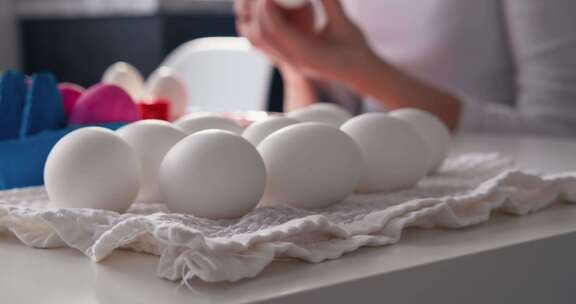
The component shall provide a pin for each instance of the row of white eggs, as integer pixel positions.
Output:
(210, 167)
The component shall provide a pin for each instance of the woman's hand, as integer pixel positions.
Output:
(338, 52)
(298, 89)
(249, 26)
(288, 37)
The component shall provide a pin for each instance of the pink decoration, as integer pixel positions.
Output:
(104, 103)
(70, 94)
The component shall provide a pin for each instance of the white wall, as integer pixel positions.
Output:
(80, 8)
(8, 36)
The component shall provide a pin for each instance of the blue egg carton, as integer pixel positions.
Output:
(32, 121)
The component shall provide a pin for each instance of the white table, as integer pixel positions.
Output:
(507, 260)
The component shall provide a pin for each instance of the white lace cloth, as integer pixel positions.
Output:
(465, 192)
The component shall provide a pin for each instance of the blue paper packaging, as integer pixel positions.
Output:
(22, 160)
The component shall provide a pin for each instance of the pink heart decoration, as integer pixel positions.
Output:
(70, 93)
(104, 103)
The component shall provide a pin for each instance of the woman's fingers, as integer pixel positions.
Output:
(265, 24)
(303, 51)
(278, 27)
(248, 25)
(243, 9)
(334, 10)
(269, 30)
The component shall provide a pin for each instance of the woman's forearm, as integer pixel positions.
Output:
(382, 81)
(338, 52)
(374, 77)
(298, 90)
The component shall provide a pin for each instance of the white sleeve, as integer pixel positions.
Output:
(542, 37)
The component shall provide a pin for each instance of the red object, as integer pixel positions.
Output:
(156, 109)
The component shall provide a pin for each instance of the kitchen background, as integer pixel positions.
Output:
(78, 39)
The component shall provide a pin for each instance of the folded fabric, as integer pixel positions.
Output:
(466, 191)
(22, 160)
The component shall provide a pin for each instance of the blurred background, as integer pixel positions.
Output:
(8, 35)
(78, 39)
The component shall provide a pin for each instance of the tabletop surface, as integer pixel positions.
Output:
(66, 276)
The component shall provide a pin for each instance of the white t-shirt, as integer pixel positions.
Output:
(511, 62)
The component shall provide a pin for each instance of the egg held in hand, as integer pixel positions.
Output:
(395, 155)
(151, 140)
(213, 174)
(310, 165)
(433, 130)
(92, 168)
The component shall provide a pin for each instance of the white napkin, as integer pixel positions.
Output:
(465, 192)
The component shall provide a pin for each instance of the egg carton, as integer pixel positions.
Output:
(32, 120)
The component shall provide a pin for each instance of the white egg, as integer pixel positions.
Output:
(434, 132)
(127, 77)
(195, 115)
(322, 112)
(164, 83)
(213, 174)
(310, 165)
(207, 122)
(291, 4)
(258, 131)
(151, 140)
(395, 155)
(92, 168)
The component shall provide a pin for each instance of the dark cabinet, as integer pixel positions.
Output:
(80, 49)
